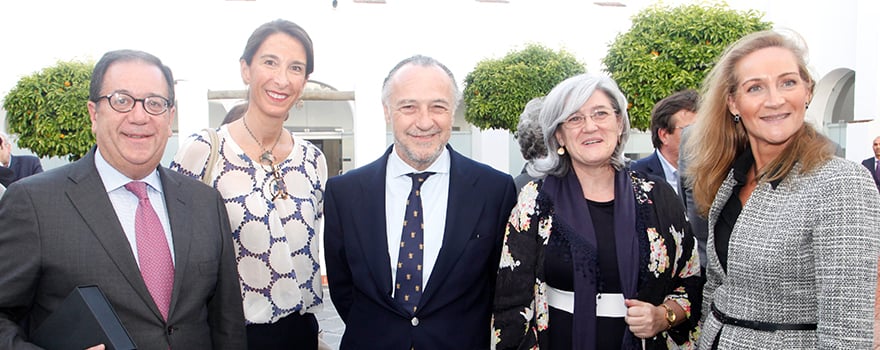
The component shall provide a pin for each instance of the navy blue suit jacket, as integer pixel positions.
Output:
(24, 166)
(652, 167)
(455, 311)
(869, 163)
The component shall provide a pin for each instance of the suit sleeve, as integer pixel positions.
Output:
(845, 244)
(38, 167)
(225, 313)
(338, 273)
(19, 265)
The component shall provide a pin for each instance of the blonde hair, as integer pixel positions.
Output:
(717, 140)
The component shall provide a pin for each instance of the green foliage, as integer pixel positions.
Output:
(48, 111)
(497, 90)
(671, 49)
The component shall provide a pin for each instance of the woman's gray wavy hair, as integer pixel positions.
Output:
(565, 99)
(528, 131)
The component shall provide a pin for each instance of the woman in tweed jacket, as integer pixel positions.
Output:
(594, 256)
(793, 234)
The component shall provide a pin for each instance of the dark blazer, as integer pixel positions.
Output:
(455, 311)
(651, 166)
(58, 231)
(7, 176)
(869, 163)
(24, 166)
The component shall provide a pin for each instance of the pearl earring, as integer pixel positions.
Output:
(560, 151)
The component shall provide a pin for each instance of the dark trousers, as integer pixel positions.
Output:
(293, 332)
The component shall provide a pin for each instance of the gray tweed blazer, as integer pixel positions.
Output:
(805, 252)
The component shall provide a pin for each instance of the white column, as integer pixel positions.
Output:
(192, 108)
(859, 135)
(492, 147)
(369, 121)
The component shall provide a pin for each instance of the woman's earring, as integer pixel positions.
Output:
(560, 151)
(736, 118)
(807, 105)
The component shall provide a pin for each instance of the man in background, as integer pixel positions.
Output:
(873, 163)
(668, 118)
(22, 166)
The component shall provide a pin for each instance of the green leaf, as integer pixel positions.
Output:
(50, 103)
(668, 49)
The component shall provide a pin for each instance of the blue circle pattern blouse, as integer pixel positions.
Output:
(276, 238)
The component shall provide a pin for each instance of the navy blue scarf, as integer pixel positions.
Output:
(572, 214)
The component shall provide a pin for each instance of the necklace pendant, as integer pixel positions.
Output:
(267, 156)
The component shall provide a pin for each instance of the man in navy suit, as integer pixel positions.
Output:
(465, 206)
(668, 118)
(22, 166)
(873, 163)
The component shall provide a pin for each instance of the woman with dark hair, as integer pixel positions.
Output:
(594, 256)
(793, 233)
(273, 184)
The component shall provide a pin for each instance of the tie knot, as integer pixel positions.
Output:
(419, 178)
(139, 188)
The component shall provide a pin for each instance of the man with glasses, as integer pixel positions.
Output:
(156, 242)
(668, 118)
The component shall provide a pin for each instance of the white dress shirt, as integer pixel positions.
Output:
(670, 172)
(125, 203)
(434, 193)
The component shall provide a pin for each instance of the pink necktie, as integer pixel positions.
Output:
(152, 249)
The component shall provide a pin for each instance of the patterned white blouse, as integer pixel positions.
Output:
(276, 238)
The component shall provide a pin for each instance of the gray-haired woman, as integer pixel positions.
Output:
(591, 246)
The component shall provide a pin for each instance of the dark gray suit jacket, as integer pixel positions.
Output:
(455, 311)
(58, 230)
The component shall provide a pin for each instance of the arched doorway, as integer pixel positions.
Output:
(832, 105)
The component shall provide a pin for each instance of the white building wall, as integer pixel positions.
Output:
(356, 44)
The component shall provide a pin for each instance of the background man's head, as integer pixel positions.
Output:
(5, 149)
(668, 117)
(876, 147)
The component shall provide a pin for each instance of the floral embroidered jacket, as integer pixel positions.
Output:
(669, 266)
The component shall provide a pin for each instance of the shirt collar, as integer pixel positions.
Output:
(397, 167)
(667, 166)
(113, 179)
(741, 168)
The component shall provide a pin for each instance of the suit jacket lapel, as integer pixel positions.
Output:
(89, 198)
(371, 226)
(178, 209)
(466, 204)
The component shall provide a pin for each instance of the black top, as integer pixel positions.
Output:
(731, 210)
(559, 273)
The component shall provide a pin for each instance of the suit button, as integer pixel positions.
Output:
(415, 321)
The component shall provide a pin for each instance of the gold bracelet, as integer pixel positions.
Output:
(670, 315)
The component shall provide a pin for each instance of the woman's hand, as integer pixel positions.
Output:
(645, 320)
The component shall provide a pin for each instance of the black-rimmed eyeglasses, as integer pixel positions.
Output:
(123, 102)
